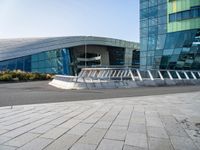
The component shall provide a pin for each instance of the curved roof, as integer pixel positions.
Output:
(13, 48)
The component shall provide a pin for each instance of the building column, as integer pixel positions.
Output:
(104, 57)
(128, 57)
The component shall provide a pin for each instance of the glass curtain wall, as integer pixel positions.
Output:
(170, 34)
(54, 61)
(116, 56)
(153, 28)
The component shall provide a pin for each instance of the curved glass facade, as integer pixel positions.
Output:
(69, 61)
(170, 34)
(64, 55)
(54, 61)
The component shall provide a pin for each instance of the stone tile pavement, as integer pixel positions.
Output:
(163, 122)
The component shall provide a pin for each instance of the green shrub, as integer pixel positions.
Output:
(6, 77)
(49, 76)
(42, 77)
(34, 76)
(13, 74)
(23, 76)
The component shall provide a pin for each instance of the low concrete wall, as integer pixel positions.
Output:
(112, 84)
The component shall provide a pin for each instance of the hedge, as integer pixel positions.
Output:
(18, 75)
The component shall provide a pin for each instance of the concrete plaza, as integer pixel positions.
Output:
(159, 122)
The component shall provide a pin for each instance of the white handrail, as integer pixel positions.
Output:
(161, 77)
(186, 75)
(170, 76)
(193, 75)
(178, 75)
(139, 75)
(150, 75)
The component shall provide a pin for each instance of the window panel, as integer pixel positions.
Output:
(162, 10)
(162, 29)
(20, 64)
(144, 23)
(167, 52)
(170, 40)
(144, 5)
(153, 12)
(144, 43)
(11, 64)
(153, 22)
(153, 30)
(153, 3)
(152, 42)
(161, 41)
(177, 50)
(144, 13)
(162, 20)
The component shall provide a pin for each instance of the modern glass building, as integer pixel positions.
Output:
(65, 55)
(170, 34)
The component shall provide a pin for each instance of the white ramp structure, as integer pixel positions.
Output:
(102, 78)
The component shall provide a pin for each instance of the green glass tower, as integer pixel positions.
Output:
(170, 34)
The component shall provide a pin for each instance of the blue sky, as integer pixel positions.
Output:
(48, 18)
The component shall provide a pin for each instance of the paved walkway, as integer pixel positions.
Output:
(163, 122)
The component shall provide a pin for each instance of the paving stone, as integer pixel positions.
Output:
(110, 145)
(86, 114)
(79, 146)
(137, 128)
(114, 127)
(194, 135)
(93, 136)
(154, 122)
(160, 144)
(20, 124)
(168, 120)
(128, 147)
(151, 113)
(18, 119)
(78, 112)
(138, 120)
(137, 114)
(103, 124)
(139, 108)
(197, 144)
(175, 130)
(94, 118)
(64, 142)
(54, 133)
(4, 139)
(60, 120)
(116, 134)
(3, 147)
(42, 129)
(21, 140)
(36, 144)
(80, 129)
(182, 143)
(15, 117)
(136, 139)
(157, 132)
(26, 128)
(2, 131)
(120, 122)
(70, 124)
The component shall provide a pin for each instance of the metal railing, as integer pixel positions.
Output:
(91, 78)
(136, 74)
